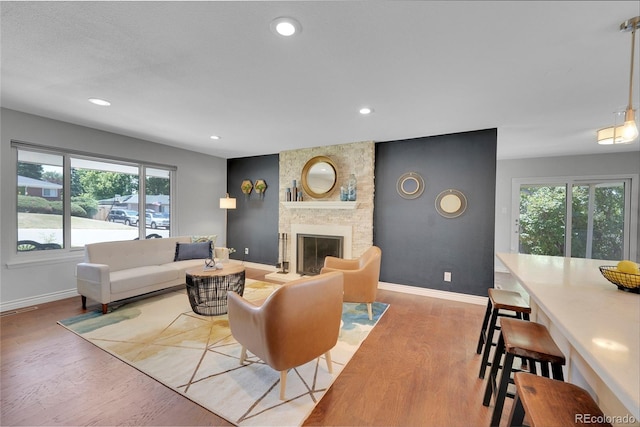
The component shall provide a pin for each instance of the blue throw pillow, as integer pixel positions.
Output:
(185, 251)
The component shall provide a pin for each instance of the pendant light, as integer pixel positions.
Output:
(628, 131)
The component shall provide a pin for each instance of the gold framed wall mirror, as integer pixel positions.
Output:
(319, 177)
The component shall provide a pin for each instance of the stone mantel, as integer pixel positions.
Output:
(317, 204)
(358, 158)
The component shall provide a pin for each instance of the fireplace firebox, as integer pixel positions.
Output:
(313, 248)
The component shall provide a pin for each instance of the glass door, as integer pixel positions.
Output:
(598, 220)
(573, 218)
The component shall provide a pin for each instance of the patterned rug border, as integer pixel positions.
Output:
(94, 320)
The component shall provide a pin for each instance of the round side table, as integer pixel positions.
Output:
(207, 289)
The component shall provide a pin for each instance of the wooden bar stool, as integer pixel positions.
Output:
(529, 340)
(550, 402)
(499, 301)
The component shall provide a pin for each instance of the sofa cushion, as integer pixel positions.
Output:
(183, 266)
(140, 277)
(199, 250)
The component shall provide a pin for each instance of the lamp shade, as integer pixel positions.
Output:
(628, 131)
(619, 134)
(227, 202)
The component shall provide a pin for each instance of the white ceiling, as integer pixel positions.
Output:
(545, 74)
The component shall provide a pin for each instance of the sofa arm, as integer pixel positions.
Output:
(221, 253)
(93, 281)
(97, 273)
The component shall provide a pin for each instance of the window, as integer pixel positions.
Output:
(157, 218)
(40, 220)
(69, 199)
(50, 192)
(108, 188)
(580, 218)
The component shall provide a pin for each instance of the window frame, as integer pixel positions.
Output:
(631, 200)
(67, 251)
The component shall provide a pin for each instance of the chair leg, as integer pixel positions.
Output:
(283, 383)
(370, 310)
(556, 370)
(482, 340)
(502, 390)
(517, 413)
(243, 355)
(493, 372)
(488, 344)
(327, 357)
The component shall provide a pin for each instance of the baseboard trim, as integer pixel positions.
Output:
(433, 293)
(39, 299)
(255, 265)
(413, 290)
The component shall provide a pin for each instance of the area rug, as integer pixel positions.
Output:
(197, 356)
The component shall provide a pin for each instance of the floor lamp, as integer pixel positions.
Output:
(226, 203)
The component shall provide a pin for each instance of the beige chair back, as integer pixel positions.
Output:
(297, 323)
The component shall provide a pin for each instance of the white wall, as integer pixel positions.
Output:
(39, 277)
(592, 165)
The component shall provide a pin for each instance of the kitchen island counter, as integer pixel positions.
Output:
(596, 325)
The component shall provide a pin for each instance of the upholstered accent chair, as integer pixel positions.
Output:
(360, 276)
(296, 324)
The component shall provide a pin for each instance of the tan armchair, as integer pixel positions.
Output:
(299, 322)
(360, 276)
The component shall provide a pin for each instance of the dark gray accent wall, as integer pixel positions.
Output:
(254, 222)
(419, 245)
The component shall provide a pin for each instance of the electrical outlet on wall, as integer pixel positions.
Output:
(246, 251)
(447, 276)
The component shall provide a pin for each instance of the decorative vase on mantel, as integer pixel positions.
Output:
(351, 188)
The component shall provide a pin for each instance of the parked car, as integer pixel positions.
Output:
(157, 220)
(123, 215)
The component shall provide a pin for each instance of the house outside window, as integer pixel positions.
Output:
(50, 193)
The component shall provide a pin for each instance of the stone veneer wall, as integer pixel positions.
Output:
(357, 158)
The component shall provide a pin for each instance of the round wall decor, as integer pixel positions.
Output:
(451, 203)
(410, 185)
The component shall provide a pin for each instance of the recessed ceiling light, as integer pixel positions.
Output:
(100, 102)
(366, 110)
(214, 137)
(285, 26)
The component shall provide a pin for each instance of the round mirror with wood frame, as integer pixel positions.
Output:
(319, 177)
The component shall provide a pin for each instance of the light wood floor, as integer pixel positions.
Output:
(418, 367)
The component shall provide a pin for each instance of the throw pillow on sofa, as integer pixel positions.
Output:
(211, 237)
(199, 250)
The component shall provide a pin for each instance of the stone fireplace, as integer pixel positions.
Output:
(328, 216)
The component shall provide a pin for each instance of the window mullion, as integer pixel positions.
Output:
(142, 201)
(568, 218)
(590, 213)
(66, 201)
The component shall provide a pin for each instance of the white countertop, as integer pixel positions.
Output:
(600, 321)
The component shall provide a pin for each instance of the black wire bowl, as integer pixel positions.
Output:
(624, 281)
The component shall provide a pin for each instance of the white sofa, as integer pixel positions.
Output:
(112, 271)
